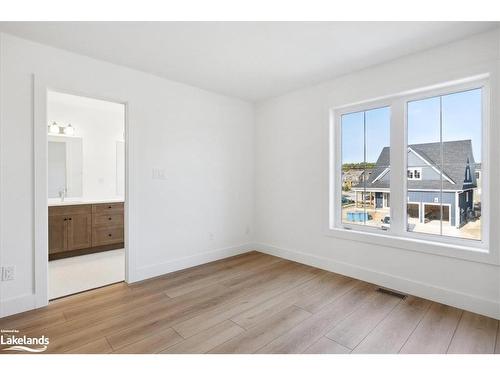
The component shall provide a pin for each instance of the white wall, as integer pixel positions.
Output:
(292, 179)
(203, 141)
(100, 124)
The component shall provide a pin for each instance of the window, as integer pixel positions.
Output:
(444, 140)
(365, 153)
(414, 173)
(438, 141)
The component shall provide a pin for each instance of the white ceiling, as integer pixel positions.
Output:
(249, 60)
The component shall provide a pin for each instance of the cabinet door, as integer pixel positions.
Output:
(79, 231)
(57, 234)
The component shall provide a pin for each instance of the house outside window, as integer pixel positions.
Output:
(445, 140)
(443, 152)
(365, 145)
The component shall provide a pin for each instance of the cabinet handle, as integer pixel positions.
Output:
(109, 235)
(109, 218)
(70, 218)
(109, 206)
(65, 218)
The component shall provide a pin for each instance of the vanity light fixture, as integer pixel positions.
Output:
(69, 130)
(54, 128)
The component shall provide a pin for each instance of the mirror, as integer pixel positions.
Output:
(90, 162)
(65, 156)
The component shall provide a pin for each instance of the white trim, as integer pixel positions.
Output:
(430, 165)
(444, 190)
(388, 190)
(384, 172)
(18, 305)
(154, 270)
(373, 190)
(1, 163)
(372, 103)
(436, 293)
(42, 84)
(476, 250)
(484, 85)
(29, 301)
(335, 154)
(40, 195)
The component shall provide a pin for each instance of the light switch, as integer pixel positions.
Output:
(8, 273)
(158, 174)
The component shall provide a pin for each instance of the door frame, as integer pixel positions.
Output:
(41, 86)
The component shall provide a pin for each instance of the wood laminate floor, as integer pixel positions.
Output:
(253, 303)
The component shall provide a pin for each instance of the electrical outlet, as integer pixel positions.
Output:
(8, 273)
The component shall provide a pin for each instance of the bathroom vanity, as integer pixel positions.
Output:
(77, 228)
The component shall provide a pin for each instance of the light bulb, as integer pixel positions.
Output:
(69, 130)
(54, 128)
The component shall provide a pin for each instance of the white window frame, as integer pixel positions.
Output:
(413, 170)
(397, 235)
(337, 213)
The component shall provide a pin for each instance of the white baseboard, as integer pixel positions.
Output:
(154, 270)
(454, 298)
(28, 302)
(457, 299)
(17, 305)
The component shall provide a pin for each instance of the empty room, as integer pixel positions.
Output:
(256, 187)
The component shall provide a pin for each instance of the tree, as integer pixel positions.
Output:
(347, 166)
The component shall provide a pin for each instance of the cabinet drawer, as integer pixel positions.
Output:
(108, 220)
(107, 208)
(106, 236)
(80, 209)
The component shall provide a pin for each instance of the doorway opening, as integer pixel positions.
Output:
(436, 212)
(86, 193)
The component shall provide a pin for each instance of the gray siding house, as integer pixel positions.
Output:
(427, 162)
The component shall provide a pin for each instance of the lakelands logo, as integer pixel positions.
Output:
(22, 343)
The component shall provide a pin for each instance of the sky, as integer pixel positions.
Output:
(461, 119)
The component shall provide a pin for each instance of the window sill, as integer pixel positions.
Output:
(470, 253)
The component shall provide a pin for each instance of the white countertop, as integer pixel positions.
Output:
(76, 201)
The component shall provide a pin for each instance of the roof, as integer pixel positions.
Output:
(354, 172)
(456, 155)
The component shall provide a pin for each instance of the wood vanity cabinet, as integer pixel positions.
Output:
(85, 228)
(57, 234)
(107, 224)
